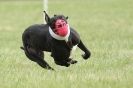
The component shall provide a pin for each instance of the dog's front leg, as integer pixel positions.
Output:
(62, 63)
(61, 58)
(83, 48)
(70, 59)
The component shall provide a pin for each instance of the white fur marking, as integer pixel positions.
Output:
(73, 50)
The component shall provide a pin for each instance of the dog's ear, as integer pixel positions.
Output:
(66, 17)
(47, 18)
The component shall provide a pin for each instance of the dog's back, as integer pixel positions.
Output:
(37, 36)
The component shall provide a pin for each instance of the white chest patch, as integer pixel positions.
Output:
(73, 50)
(60, 37)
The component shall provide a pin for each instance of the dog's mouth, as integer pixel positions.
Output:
(61, 28)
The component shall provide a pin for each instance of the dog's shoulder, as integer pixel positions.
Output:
(75, 37)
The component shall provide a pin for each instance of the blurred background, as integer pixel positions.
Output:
(105, 26)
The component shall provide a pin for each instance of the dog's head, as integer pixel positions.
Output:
(58, 24)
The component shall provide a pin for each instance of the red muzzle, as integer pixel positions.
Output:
(61, 28)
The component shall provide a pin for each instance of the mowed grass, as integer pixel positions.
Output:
(105, 26)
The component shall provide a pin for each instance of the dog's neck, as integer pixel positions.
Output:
(57, 37)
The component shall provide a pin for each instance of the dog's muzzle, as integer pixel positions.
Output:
(59, 37)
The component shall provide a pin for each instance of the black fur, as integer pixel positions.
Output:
(37, 39)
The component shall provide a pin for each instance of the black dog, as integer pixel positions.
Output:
(55, 37)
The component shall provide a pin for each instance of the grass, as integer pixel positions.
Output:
(105, 26)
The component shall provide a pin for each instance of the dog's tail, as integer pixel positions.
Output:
(22, 48)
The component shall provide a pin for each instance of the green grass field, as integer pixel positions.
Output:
(105, 26)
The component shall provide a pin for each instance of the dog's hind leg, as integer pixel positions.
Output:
(37, 56)
(83, 48)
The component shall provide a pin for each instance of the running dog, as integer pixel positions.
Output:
(57, 37)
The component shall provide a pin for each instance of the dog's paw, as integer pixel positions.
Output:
(86, 56)
(73, 61)
(68, 64)
(50, 68)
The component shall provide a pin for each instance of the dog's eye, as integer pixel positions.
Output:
(62, 21)
(64, 24)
